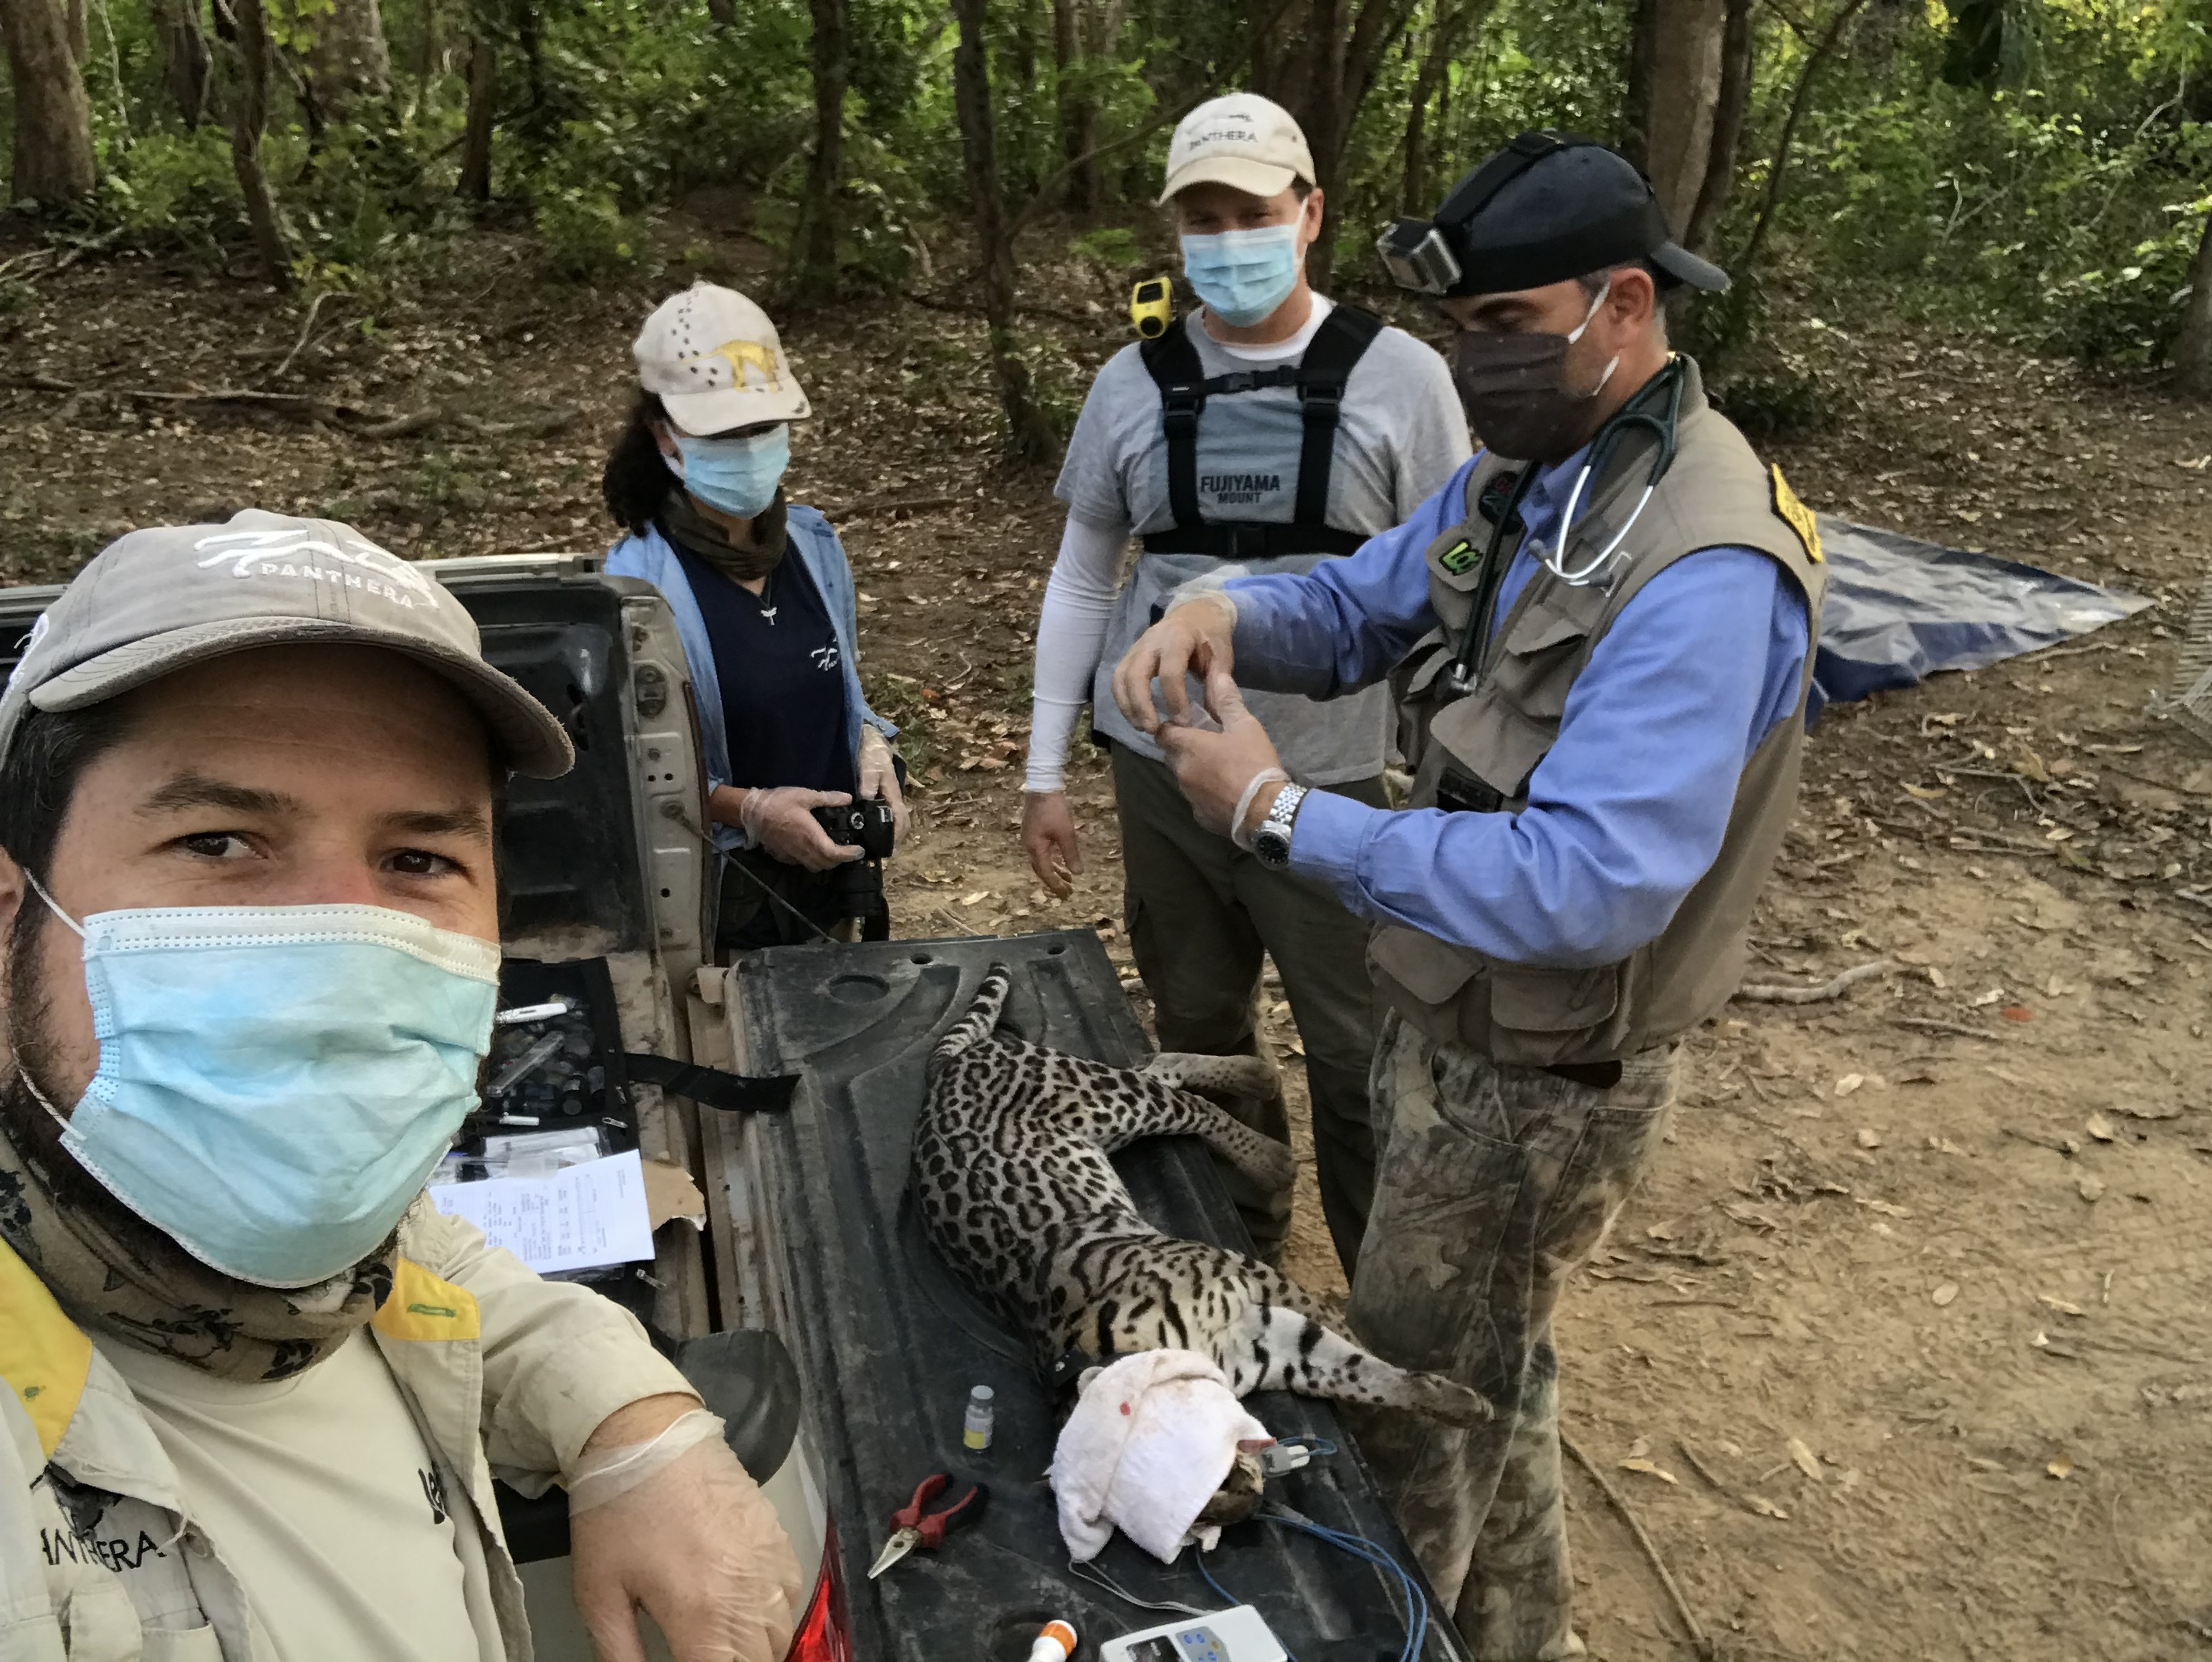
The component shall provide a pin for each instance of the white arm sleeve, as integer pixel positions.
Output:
(1078, 604)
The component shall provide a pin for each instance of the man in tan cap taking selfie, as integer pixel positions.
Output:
(257, 1385)
(1271, 431)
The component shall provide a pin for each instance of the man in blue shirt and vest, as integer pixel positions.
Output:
(1600, 635)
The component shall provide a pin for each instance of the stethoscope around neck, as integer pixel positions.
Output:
(1656, 409)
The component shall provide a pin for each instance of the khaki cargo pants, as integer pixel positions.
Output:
(1201, 912)
(1494, 1184)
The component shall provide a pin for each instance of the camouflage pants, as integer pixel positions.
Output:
(1493, 1184)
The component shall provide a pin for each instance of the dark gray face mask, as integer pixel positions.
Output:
(1514, 388)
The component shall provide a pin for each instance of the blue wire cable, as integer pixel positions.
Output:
(1199, 1557)
(1416, 1616)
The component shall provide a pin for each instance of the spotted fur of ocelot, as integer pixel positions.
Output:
(1011, 1167)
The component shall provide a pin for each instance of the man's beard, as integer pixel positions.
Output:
(24, 1118)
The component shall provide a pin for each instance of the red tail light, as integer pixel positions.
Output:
(826, 1633)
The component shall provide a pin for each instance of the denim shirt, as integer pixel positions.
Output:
(815, 545)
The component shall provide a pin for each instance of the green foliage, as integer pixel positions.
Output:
(2039, 167)
(586, 236)
(173, 182)
(1113, 247)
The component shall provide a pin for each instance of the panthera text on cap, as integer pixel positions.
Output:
(160, 599)
(717, 363)
(1242, 140)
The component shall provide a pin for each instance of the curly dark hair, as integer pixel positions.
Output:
(635, 480)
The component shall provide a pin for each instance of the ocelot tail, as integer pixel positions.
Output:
(1009, 1163)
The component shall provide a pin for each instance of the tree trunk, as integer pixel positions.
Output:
(1333, 51)
(1078, 115)
(426, 59)
(476, 135)
(249, 112)
(349, 60)
(185, 61)
(1729, 111)
(53, 157)
(825, 177)
(2193, 353)
(1800, 96)
(1029, 435)
(1454, 19)
(1675, 84)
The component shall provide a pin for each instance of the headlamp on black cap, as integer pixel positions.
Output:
(1418, 258)
(1591, 210)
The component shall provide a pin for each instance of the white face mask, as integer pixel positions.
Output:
(276, 1083)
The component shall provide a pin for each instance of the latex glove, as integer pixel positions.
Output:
(1213, 769)
(1194, 638)
(676, 1526)
(878, 776)
(780, 818)
(1048, 838)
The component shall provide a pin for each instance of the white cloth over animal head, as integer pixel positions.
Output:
(1150, 1441)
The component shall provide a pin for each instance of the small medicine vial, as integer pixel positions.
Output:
(1056, 1643)
(975, 1430)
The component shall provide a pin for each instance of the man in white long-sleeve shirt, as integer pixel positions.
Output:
(1268, 432)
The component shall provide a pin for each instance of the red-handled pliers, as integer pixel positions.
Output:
(912, 1527)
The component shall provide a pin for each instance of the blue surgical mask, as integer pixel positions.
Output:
(733, 475)
(1243, 275)
(276, 1083)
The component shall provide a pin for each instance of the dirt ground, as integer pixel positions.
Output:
(1901, 1350)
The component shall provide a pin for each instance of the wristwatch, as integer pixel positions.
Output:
(1270, 840)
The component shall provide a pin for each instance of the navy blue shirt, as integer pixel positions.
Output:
(783, 684)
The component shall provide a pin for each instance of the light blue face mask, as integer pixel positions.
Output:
(276, 1083)
(1243, 275)
(735, 476)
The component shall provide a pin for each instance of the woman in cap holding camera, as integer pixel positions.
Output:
(764, 600)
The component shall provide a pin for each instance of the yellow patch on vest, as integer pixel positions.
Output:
(423, 1307)
(44, 1356)
(1798, 517)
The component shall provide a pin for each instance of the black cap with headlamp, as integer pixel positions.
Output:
(1548, 207)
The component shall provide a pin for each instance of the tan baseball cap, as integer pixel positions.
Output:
(1246, 142)
(717, 362)
(161, 599)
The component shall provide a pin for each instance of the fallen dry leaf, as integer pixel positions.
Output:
(2089, 1188)
(1849, 1083)
(970, 899)
(2100, 1127)
(1765, 1507)
(1807, 1461)
(2017, 1012)
(1650, 1468)
(1887, 1209)
(2148, 1109)
(2060, 1465)
(1944, 1292)
(2063, 1307)
(1868, 1138)
(1986, 999)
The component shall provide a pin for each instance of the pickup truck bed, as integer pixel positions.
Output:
(889, 1342)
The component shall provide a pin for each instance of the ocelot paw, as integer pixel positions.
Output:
(1448, 1400)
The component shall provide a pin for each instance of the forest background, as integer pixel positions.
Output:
(2041, 169)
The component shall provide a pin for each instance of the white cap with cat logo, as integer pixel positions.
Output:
(717, 362)
(1246, 142)
(161, 599)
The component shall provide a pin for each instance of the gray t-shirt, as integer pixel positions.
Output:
(1401, 435)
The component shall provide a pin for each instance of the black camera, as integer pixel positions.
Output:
(867, 824)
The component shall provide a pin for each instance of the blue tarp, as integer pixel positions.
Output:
(1898, 610)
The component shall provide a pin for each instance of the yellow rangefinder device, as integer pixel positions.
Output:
(1152, 307)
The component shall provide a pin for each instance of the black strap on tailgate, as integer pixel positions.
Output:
(713, 1087)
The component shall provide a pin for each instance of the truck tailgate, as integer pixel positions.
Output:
(889, 1342)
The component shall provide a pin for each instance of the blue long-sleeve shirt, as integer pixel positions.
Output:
(1627, 811)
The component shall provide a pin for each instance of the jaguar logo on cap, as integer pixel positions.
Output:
(272, 553)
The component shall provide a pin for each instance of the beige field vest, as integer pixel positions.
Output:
(1481, 749)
